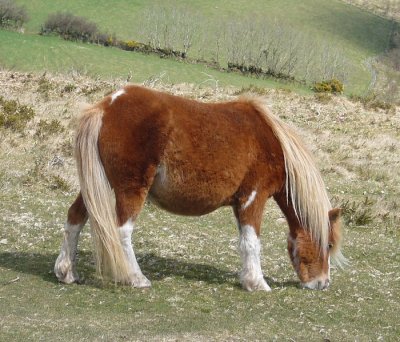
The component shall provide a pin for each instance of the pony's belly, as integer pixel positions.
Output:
(187, 195)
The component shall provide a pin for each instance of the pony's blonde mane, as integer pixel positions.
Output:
(304, 185)
(98, 198)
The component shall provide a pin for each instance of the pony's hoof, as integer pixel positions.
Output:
(141, 282)
(64, 273)
(256, 285)
(68, 277)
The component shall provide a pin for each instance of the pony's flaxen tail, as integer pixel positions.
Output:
(98, 197)
(304, 185)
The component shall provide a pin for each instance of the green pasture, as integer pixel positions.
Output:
(28, 52)
(358, 34)
(332, 19)
(193, 265)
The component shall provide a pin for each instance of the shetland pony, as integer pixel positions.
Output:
(191, 158)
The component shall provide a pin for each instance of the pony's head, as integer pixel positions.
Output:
(311, 262)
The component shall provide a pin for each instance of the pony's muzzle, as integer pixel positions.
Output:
(317, 284)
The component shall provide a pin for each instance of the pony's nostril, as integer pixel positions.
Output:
(319, 285)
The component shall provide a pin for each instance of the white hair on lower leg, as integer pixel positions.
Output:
(250, 248)
(65, 266)
(137, 277)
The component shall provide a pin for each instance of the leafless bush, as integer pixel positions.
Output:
(249, 45)
(278, 50)
(170, 28)
(12, 15)
(72, 27)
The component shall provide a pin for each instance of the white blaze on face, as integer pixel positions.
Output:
(117, 94)
(250, 200)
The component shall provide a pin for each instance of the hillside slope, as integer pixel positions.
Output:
(357, 34)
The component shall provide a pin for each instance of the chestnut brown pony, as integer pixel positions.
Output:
(191, 158)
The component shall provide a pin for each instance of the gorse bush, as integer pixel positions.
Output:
(12, 15)
(332, 86)
(14, 116)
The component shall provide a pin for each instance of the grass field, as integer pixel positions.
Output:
(358, 34)
(37, 53)
(355, 28)
(193, 262)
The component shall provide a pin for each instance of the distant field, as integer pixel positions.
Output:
(387, 8)
(359, 34)
(37, 53)
(331, 19)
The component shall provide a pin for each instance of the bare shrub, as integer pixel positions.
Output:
(72, 27)
(249, 45)
(167, 27)
(278, 50)
(12, 15)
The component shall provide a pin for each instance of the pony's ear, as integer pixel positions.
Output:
(334, 215)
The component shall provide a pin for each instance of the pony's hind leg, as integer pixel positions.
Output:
(65, 266)
(248, 213)
(128, 206)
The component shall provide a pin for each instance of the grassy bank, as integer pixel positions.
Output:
(357, 34)
(37, 53)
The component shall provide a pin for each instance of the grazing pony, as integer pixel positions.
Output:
(191, 158)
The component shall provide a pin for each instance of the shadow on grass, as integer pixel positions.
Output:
(156, 268)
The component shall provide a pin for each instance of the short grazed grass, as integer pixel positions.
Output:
(193, 262)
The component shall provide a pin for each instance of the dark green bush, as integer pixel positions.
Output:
(58, 183)
(12, 15)
(331, 86)
(47, 128)
(14, 116)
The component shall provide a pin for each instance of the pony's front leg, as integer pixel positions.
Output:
(249, 215)
(65, 266)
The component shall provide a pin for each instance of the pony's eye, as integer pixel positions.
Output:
(330, 245)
